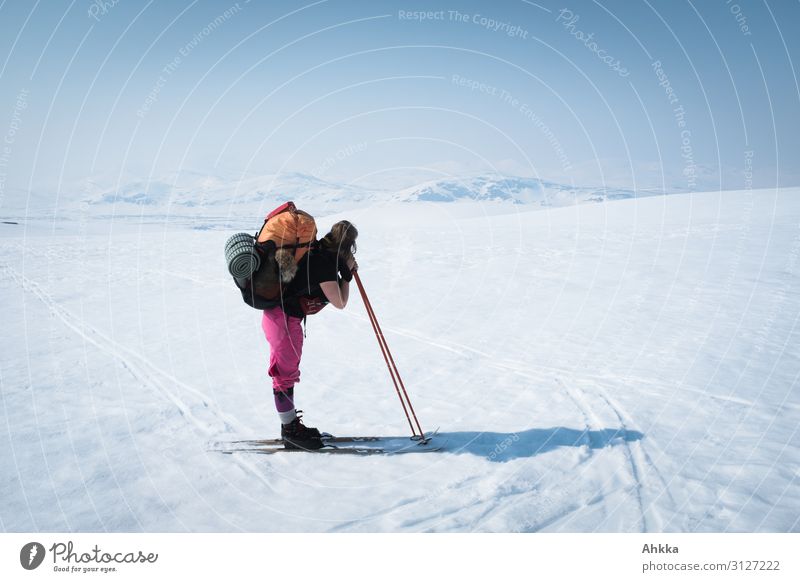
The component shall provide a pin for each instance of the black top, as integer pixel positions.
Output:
(317, 266)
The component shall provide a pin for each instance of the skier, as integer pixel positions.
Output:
(323, 276)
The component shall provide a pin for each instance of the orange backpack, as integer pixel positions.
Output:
(293, 232)
(262, 265)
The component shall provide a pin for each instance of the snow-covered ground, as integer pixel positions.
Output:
(626, 366)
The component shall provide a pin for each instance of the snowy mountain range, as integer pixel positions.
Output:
(194, 190)
(199, 196)
(248, 195)
(514, 189)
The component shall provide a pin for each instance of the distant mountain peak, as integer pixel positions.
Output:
(504, 188)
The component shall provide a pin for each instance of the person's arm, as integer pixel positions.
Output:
(338, 293)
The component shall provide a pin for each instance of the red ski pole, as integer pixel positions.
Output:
(399, 387)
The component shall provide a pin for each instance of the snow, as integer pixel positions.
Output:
(629, 365)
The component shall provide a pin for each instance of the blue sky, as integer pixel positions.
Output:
(377, 94)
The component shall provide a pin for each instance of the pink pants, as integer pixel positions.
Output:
(285, 336)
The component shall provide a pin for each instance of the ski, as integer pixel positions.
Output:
(351, 445)
(326, 450)
(326, 439)
(332, 450)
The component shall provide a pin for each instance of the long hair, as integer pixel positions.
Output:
(341, 239)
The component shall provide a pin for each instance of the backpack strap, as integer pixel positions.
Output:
(258, 234)
(283, 207)
(297, 234)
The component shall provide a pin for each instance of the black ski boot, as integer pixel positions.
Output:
(296, 435)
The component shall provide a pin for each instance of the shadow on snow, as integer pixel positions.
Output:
(505, 446)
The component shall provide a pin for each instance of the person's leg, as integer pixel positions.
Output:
(284, 404)
(285, 336)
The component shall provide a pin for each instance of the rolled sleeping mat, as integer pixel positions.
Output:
(241, 255)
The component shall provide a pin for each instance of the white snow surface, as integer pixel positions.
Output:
(622, 366)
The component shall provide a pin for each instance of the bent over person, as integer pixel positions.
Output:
(323, 276)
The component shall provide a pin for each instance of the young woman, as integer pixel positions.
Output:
(323, 276)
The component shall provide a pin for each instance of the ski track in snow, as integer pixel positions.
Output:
(147, 374)
(591, 422)
(29, 286)
(561, 513)
(639, 459)
(138, 366)
(581, 401)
